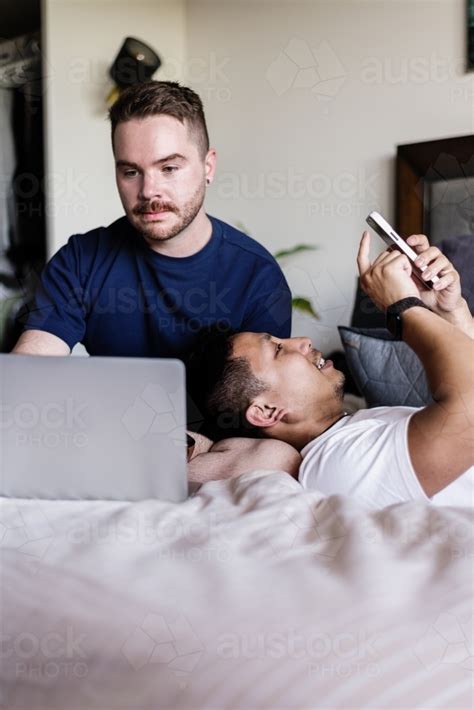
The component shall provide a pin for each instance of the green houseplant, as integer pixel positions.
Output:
(299, 303)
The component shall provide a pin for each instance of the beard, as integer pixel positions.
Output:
(160, 232)
(339, 387)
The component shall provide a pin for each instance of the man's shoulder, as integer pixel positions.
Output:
(236, 240)
(351, 426)
(358, 453)
(380, 415)
(101, 236)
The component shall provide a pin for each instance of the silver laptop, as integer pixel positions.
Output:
(92, 427)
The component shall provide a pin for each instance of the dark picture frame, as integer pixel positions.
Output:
(421, 168)
(470, 34)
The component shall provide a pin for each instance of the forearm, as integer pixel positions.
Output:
(440, 435)
(233, 457)
(201, 445)
(446, 351)
(38, 342)
(461, 318)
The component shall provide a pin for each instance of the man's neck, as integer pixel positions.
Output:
(188, 242)
(306, 431)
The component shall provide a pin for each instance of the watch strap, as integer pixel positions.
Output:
(394, 312)
(404, 304)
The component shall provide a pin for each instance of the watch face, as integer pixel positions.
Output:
(394, 325)
(393, 316)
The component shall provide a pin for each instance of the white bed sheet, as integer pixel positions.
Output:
(251, 594)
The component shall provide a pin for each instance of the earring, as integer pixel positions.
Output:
(208, 182)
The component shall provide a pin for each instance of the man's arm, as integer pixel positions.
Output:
(270, 305)
(440, 436)
(233, 457)
(461, 318)
(38, 342)
(56, 320)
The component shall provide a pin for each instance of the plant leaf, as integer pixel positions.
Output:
(241, 226)
(303, 305)
(294, 250)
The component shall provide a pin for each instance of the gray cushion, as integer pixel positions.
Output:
(387, 372)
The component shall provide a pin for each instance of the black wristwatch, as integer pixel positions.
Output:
(393, 314)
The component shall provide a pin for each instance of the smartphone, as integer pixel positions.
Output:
(392, 239)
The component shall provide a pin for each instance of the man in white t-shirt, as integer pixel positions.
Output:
(284, 390)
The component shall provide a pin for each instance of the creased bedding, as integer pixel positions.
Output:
(251, 594)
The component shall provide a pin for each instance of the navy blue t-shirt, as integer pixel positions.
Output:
(110, 291)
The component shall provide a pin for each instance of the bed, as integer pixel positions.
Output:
(251, 594)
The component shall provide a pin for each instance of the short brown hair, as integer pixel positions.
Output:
(152, 98)
(221, 385)
(236, 389)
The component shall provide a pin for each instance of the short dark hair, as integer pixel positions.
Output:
(222, 386)
(152, 98)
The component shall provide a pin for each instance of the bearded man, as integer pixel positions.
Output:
(146, 284)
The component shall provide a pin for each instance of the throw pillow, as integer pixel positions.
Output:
(386, 371)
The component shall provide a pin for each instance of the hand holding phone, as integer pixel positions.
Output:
(387, 279)
(392, 239)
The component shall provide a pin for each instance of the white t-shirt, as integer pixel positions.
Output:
(365, 455)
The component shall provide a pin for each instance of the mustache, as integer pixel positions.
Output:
(154, 206)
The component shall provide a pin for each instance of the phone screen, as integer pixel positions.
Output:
(392, 239)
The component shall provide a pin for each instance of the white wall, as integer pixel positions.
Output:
(307, 163)
(302, 157)
(81, 39)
